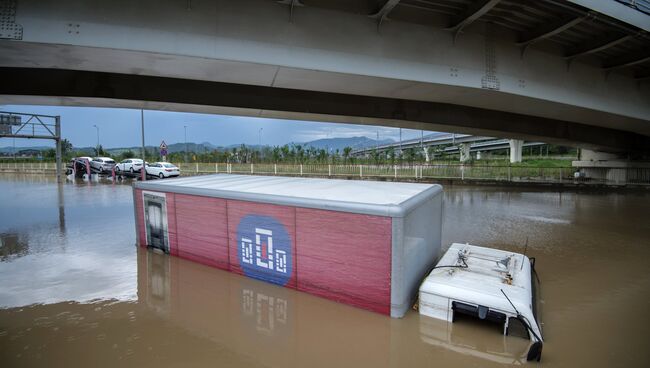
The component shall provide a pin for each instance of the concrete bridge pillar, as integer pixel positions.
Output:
(591, 156)
(610, 168)
(426, 154)
(464, 152)
(516, 148)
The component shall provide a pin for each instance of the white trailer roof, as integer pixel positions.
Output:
(358, 196)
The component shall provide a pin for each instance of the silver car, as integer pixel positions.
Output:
(102, 163)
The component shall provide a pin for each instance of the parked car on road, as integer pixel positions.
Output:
(130, 165)
(162, 169)
(102, 163)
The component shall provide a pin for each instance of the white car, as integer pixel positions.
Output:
(162, 169)
(102, 163)
(130, 164)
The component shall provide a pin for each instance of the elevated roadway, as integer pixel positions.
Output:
(566, 72)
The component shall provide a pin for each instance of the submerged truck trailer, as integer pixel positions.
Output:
(363, 243)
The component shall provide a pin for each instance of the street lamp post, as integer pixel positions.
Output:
(260, 143)
(377, 141)
(185, 130)
(97, 146)
(400, 142)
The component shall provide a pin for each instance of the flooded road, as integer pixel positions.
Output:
(76, 291)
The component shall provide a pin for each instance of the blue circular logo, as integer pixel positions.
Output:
(264, 249)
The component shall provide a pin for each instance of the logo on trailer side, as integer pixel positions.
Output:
(264, 249)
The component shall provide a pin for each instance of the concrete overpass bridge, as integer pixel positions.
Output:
(455, 143)
(425, 141)
(571, 72)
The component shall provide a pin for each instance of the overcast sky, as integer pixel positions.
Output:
(121, 128)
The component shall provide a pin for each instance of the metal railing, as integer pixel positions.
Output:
(28, 166)
(469, 173)
(503, 173)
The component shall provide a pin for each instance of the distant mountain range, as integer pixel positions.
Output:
(331, 144)
(9, 150)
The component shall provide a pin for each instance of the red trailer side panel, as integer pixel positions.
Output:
(345, 257)
(202, 225)
(262, 241)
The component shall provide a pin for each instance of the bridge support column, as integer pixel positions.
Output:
(464, 152)
(516, 148)
(426, 154)
(610, 168)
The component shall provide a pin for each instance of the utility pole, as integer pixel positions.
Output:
(260, 142)
(422, 145)
(400, 144)
(97, 146)
(144, 157)
(185, 130)
(57, 150)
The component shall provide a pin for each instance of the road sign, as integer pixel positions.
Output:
(10, 119)
(163, 149)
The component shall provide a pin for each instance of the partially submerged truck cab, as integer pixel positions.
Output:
(486, 283)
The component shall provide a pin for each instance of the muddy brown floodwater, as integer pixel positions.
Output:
(75, 291)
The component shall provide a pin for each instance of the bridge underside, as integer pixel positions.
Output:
(547, 70)
(87, 88)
